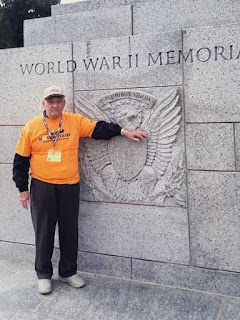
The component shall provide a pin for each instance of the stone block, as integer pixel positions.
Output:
(106, 265)
(109, 298)
(226, 283)
(177, 15)
(237, 142)
(10, 136)
(28, 71)
(214, 219)
(17, 252)
(151, 172)
(144, 232)
(83, 26)
(210, 146)
(15, 222)
(211, 74)
(127, 62)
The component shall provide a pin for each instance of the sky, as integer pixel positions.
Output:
(69, 1)
(66, 1)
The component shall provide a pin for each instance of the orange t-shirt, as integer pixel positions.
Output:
(35, 141)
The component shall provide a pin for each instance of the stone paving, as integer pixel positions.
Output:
(106, 298)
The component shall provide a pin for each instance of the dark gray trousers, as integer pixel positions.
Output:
(52, 203)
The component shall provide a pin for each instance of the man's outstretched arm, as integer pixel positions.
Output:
(106, 131)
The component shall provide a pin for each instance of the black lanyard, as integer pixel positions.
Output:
(53, 137)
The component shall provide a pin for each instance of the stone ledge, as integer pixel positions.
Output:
(88, 25)
(220, 282)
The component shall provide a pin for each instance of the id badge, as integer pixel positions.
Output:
(54, 156)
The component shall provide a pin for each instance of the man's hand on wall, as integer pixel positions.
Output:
(25, 199)
(134, 135)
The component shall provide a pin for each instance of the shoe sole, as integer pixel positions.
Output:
(45, 289)
(45, 293)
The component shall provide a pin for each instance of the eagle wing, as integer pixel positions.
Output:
(163, 124)
(97, 154)
(89, 109)
(104, 179)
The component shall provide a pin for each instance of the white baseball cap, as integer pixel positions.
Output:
(53, 91)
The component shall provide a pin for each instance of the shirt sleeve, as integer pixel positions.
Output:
(105, 130)
(23, 146)
(20, 172)
(86, 126)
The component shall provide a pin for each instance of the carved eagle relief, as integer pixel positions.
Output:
(123, 170)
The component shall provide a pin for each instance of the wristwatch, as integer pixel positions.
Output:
(122, 131)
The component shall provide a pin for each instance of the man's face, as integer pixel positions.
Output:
(54, 106)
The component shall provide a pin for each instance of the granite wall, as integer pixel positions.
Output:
(165, 210)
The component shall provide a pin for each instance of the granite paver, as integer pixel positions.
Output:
(106, 298)
(230, 310)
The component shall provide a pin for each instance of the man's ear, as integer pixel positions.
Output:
(43, 103)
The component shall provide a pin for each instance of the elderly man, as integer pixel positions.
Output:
(49, 146)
